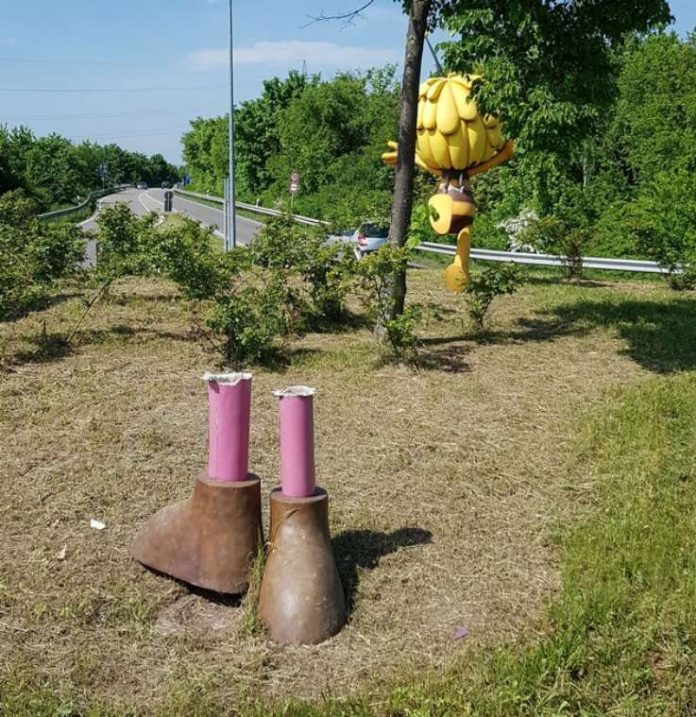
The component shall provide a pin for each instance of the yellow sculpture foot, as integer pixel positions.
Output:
(455, 278)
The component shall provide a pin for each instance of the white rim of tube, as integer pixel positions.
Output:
(226, 379)
(295, 392)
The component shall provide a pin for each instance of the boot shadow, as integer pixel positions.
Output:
(357, 550)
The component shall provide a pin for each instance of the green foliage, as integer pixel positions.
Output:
(376, 273)
(303, 252)
(249, 316)
(189, 254)
(663, 222)
(549, 67)
(33, 254)
(55, 172)
(556, 235)
(485, 286)
(401, 332)
(331, 132)
(125, 242)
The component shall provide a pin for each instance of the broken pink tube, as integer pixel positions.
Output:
(229, 416)
(297, 479)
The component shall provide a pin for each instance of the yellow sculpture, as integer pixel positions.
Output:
(454, 142)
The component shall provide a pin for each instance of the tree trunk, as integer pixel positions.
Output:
(405, 164)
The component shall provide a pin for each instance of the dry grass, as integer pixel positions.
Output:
(446, 485)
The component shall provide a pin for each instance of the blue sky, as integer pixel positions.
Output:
(169, 58)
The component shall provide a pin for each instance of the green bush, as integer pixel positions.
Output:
(317, 274)
(189, 254)
(376, 273)
(249, 316)
(33, 254)
(662, 222)
(126, 242)
(560, 236)
(485, 286)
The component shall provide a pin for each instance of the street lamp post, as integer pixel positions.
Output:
(230, 239)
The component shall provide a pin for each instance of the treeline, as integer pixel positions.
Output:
(627, 189)
(55, 172)
(613, 190)
(331, 132)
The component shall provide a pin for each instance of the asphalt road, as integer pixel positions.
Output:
(141, 202)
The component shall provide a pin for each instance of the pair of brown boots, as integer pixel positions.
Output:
(211, 540)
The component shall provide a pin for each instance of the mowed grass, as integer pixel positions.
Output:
(534, 486)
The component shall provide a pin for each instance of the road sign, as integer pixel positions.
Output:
(294, 183)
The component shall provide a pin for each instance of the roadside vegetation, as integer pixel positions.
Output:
(55, 173)
(625, 191)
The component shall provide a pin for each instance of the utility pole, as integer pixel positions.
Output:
(230, 238)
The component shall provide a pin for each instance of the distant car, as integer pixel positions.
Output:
(141, 185)
(166, 185)
(369, 236)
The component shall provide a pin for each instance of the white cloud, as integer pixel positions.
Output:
(315, 54)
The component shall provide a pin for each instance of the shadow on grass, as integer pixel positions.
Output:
(47, 348)
(41, 303)
(660, 335)
(347, 322)
(358, 550)
(447, 356)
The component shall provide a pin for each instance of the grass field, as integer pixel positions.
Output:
(533, 486)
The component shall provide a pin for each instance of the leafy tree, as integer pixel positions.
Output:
(55, 172)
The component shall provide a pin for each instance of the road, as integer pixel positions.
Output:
(143, 201)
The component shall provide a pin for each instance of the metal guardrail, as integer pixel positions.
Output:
(79, 207)
(588, 262)
(251, 207)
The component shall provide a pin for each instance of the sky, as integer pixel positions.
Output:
(134, 72)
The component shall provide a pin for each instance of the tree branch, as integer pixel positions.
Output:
(347, 18)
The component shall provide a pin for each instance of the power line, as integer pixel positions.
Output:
(38, 61)
(103, 90)
(54, 118)
(159, 133)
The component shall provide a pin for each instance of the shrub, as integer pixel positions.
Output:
(662, 222)
(33, 254)
(126, 242)
(483, 288)
(189, 255)
(375, 275)
(561, 236)
(248, 317)
(317, 274)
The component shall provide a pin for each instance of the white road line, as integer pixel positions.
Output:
(143, 205)
(149, 196)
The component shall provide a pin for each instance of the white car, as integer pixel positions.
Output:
(368, 237)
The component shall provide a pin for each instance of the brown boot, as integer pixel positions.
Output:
(301, 598)
(208, 540)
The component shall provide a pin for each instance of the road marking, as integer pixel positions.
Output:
(159, 201)
(143, 205)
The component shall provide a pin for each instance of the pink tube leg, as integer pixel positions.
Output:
(229, 417)
(297, 473)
